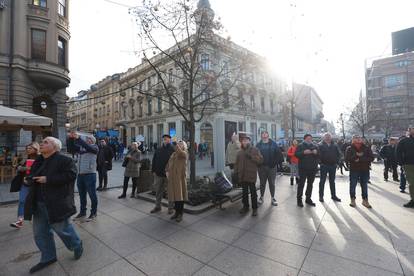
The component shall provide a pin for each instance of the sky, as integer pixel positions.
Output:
(324, 43)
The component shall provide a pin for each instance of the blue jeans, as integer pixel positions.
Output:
(325, 170)
(362, 177)
(43, 234)
(87, 184)
(24, 190)
(403, 180)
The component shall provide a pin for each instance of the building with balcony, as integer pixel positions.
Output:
(34, 39)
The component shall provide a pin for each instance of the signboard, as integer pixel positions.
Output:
(140, 138)
(173, 132)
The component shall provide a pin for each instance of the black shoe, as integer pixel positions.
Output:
(77, 253)
(409, 204)
(122, 196)
(291, 181)
(179, 218)
(385, 179)
(99, 189)
(300, 203)
(79, 216)
(402, 191)
(40, 266)
(174, 216)
(310, 202)
(92, 217)
(254, 213)
(297, 180)
(369, 182)
(396, 180)
(155, 210)
(133, 195)
(335, 198)
(244, 210)
(321, 199)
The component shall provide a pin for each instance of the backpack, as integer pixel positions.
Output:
(223, 185)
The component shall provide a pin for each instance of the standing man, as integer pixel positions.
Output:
(159, 163)
(388, 153)
(308, 155)
(247, 162)
(405, 157)
(359, 157)
(330, 155)
(86, 173)
(104, 164)
(272, 155)
(51, 202)
(233, 147)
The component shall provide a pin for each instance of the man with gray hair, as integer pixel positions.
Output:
(50, 202)
(329, 155)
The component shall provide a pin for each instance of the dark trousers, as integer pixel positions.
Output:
(390, 166)
(267, 174)
(134, 184)
(103, 176)
(325, 170)
(403, 180)
(303, 176)
(87, 185)
(362, 178)
(253, 194)
(179, 207)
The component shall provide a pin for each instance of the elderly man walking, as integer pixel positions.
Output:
(51, 202)
(330, 155)
(405, 156)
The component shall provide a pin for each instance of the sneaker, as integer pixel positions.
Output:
(79, 217)
(18, 224)
(244, 210)
(91, 217)
(409, 204)
(300, 203)
(155, 210)
(40, 266)
(260, 200)
(337, 199)
(274, 202)
(254, 213)
(77, 253)
(310, 202)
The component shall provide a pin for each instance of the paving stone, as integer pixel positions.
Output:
(155, 227)
(218, 231)
(406, 259)
(126, 215)
(17, 249)
(101, 224)
(208, 271)
(119, 268)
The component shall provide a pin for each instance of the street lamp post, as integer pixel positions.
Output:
(292, 115)
(341, 116)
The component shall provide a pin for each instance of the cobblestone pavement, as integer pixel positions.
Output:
(330, 239)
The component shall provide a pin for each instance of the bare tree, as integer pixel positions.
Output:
(207, 65)
(358, 117)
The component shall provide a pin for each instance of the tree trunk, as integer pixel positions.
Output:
(191, 125)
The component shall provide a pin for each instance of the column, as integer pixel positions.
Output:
(219, 148)
(179, 129)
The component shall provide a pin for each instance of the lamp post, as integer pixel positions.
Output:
(341, 116)
(292, 115)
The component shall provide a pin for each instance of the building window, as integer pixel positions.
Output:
(205, 62)
(225, 69)
(149, 84)
(38, 44)
(272, 106)
(253, 130)
(40, 3)
(170, 75)
(62, 7)
(160, 132)
(133, 134)
(149, 107)
(61, 51)
(242, 126)
(263, 127)
(141, 130)
(394, 81)
(252, 102)
(274, 131)
(159, 104)
(140, 109)
(262, 104)
(170, 106)
(150, 136)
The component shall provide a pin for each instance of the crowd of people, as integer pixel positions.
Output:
(46, 178)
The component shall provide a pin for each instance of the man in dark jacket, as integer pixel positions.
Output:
(159, 162)
(104, 164)
(330, 155)
(405, 157)
(308, 155)
(51, 202)
(267, 170)
(359, 157)
(388, 153)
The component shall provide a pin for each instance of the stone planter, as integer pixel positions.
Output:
(145, 181)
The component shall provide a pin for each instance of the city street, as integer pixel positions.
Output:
(331, 239)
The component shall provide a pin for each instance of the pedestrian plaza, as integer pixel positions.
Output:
(329, 239)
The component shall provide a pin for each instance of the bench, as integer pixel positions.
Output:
(232, 196)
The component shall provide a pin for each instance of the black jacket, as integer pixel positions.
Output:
(329, 154)
(388, 152)
(405, 151)
(160, 159)
(359, 164)
(272, 155)
(307, 162)
(104, 157)
(57, 192)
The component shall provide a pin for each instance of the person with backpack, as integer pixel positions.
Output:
(247, 162)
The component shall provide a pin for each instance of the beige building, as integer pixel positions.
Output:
(34, 36)
(390, 94)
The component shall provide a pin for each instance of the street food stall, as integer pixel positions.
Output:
(13, 122)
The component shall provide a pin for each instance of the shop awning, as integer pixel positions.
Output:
(13, 119)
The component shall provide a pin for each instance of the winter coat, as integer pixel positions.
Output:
(329, 154)
(177, 176)
(57, 192)
(160, 159)
(231, 152)
(405, 151)
(87, 156)
(104, 158)
(291, 153)
(389, 153)
(134, 163)
(307, 162)
(356, 163)
(271, 153)
(247, 163)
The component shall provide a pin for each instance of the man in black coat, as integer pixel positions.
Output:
(388, 153)
(308, 155)
(405, 157)
(51, 202)
(330, 155)
(159, 162)
(104, 164)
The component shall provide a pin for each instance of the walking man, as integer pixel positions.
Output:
(388, 153)
(359, 157)
(308, 155)
(159, 163)
(267, 170)
(104, 164)
(50, 202)
(330, 155)
(86, 181)
(405, 157)
(247, 161)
